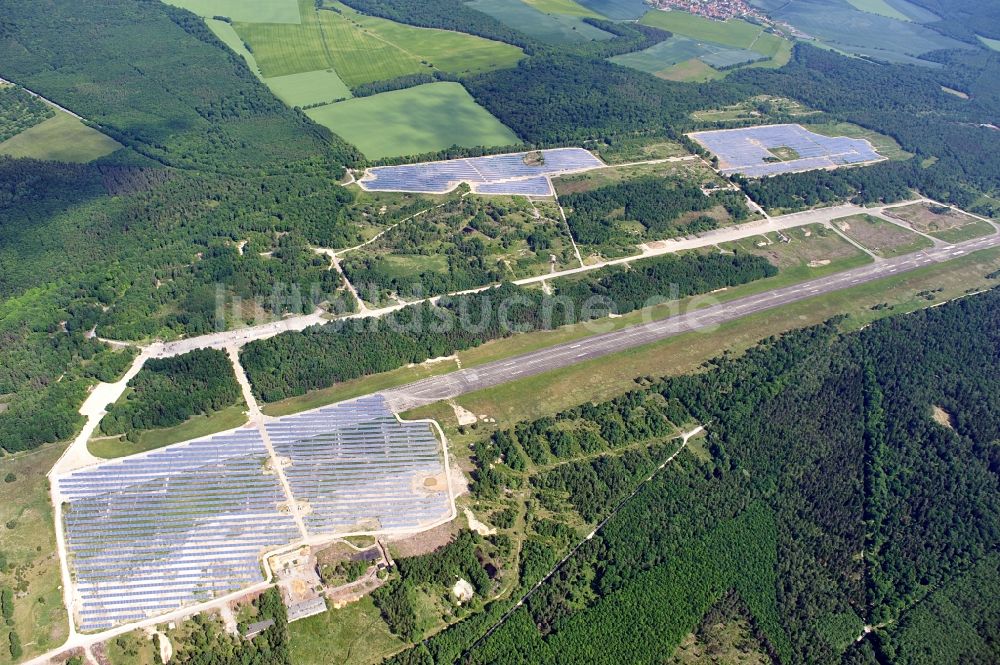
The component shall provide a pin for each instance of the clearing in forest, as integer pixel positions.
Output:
(250, 11)
(423, 119)
(773, 149)
(61, 138)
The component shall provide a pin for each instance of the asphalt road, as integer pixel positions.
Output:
(446, 386)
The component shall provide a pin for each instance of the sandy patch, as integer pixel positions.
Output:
(816, 263)
(424, 542)
(942, 417)
(463, 415)
(436, 483)
(463, 591)
(479, 527)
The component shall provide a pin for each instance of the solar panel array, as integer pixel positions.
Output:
(183, 524)
(151, 533)
(361, 469)
(495, 174)
(745, 150)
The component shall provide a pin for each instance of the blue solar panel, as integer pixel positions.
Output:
(180, 525)
(495, 174)
(359, 468)
(746, 151)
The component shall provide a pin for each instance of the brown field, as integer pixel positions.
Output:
(424, 542)
(942, 222)
(881, 237)
(812, 246)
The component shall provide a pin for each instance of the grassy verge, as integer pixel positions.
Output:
(604, 378)
(793, 266)
(61, 138)
(356, 387)
(28, 546)
(195, 427)
(976, 229)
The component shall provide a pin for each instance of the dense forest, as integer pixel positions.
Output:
(129, 53)
(827, 495)
(552, 99)
(168, 391)
(292, 363)
(596, 217)
(885, 182)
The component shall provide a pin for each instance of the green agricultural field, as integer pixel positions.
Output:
(701, 45)
(991, 43)
(617, 10)
(661, 56)
(362, 49)
(549, 28)
(657, 59)
(690, 71)
(61, 138)
(880, 7)
(287, 49)
(449, 51)
(249, 11)
(734, 32)
(225, 32)
(564, 7)
(427, 118)
(308, 88)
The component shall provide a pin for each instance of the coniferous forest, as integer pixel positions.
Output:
(828, 495)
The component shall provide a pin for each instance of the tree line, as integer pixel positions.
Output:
(292, 363)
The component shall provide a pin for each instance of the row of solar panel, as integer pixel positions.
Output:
(482, 172)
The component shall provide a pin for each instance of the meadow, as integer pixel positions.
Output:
(550, 28)
(564, 7)
(701, 47)
(880, 7)
(426, 118)
(322, 86)
(617, 10)
(225, 32)
(363, 49)
(28, 553)
(60, 138)
(255, 11)
(849, 29)
(658, 59)
(734, 32)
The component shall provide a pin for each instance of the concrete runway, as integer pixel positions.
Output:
(446, 386)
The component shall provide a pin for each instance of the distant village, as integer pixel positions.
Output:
(717, 9)
(723, 10)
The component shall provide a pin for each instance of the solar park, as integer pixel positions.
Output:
(512, 174)
(183, 524)
(750, 151)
